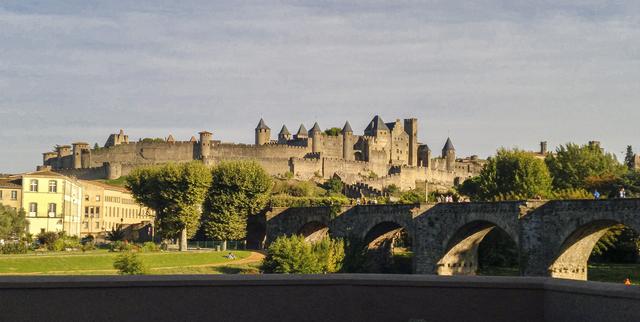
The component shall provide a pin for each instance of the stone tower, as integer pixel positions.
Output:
(424, 156)
(48, 157)
(449, 154)
(204, 145)
(78, 147)
(316, 137)
(411, 127)
(347, 142)
(302, 132)
(63, 151)
(263, 133)
(543, 148)
(284, 136)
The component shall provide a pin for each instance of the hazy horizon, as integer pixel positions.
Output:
(488, 74)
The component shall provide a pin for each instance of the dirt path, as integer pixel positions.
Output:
(254, 257)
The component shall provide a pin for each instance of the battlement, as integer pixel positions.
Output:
(346, 161)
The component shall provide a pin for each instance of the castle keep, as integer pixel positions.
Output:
(385, 154)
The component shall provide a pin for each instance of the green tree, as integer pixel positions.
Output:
(629, 158)
(176, 193)
(334, 131)
(128, 263)
(412, 197)
(511, 174)
(573, 166)
(294, 255)
(334, 186)
(12, 223)
(238, 189)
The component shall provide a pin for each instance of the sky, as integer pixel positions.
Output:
(487, 73)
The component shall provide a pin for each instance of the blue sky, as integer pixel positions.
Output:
(488, 73)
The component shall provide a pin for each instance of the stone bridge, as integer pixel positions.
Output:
(554, 238)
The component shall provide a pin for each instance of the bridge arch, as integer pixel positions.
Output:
(448, 235)
(460, 255)
(387, 246)
(314, 231)
(571, 257)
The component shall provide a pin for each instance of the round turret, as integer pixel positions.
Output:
(263, 133)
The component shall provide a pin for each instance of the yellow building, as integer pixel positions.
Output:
(106, 206)
(11, 192)
(52, 202)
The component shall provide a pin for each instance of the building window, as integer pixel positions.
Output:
(52, 210)
(86, 198)
(97, 212)
(97, 225)
(53, 186)
(14, 195)
(33, 186)
(97, 197)
(86, 225)
(33, 209)
(86, 211)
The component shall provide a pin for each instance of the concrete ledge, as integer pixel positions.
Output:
(314, 298)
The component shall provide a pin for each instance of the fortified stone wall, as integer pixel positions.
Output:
(230, 151)
(332, 146)
(144, 153)
(306, 168)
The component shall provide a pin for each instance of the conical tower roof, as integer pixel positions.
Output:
(377, 124)
(262, 125)
(284, 130)
(347, 128)
(302, 131)
(448, 146)
(316, 128)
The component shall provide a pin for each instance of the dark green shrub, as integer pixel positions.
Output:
(120, 246)
(129, 263)
(149, 247)
(14, 248)
(288, 201)
(294, 255)
(47, 239)
(88, 246)
(116, 234)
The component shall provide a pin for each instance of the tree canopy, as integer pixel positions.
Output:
(175, 192)
(575, 166)
(238, 189)
(334, 131)
(12, 222)
(511, 174)
(629, 158)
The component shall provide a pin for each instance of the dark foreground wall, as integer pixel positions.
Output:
(313, 298)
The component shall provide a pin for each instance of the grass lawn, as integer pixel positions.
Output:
(101, 262)
(611, 273)
(614, 273)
